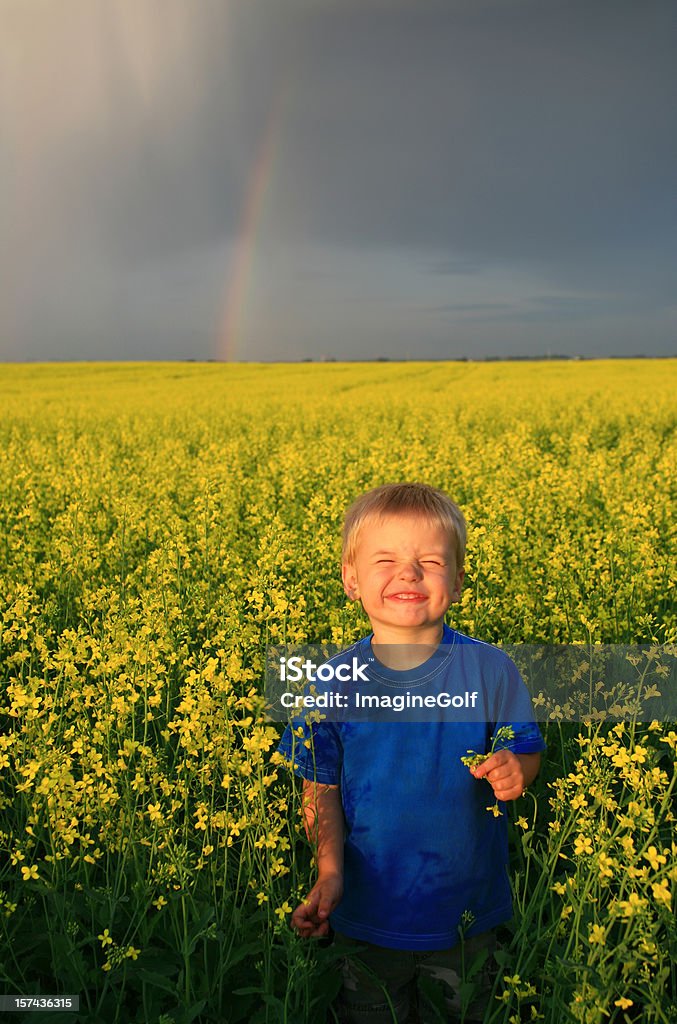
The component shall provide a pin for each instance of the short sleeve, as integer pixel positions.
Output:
(313, 751)
(513, 708)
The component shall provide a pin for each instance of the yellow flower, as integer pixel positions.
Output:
(261, 897)
(155, 813)
(583, 844)
(632, 905)
(597, 935)
(654, 858)
(628, 844)
(522, 822)
(605, 865)
(132, 953)
(105, 938)
(31, 872)
(283, 910)
(661, 892)
(160, 902)
(624, 1003)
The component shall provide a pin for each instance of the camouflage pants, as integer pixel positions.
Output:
(395, 986)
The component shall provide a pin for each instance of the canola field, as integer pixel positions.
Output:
(161, 524)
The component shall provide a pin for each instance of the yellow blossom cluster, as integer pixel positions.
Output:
(612, 832)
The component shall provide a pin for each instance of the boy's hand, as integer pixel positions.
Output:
(311, 918)
(505, 772)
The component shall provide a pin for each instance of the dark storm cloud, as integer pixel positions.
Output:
(445, 144)
(538, 309)
(540, 131)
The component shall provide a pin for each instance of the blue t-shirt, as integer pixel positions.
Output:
(421, 848)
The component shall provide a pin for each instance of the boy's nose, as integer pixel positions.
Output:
(409, 571)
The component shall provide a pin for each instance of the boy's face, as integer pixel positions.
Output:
(404, 573)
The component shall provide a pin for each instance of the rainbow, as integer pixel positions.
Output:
(240, 269)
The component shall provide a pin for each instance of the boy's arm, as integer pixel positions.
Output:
(509, 773)
(323, 820)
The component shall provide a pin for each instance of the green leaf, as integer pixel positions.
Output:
(189, 1014)
(156, 980)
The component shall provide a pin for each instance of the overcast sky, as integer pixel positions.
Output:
(284, 179)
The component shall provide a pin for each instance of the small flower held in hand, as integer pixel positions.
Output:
(473, 759)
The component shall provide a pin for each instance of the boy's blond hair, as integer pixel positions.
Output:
(404, 499)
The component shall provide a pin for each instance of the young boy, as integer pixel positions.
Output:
(411, 860)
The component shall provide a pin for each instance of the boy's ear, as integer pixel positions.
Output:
(350, 582)
(458, 586)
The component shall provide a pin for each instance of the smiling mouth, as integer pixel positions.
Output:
(407, 597)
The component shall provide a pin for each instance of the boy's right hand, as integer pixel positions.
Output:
(311, 918)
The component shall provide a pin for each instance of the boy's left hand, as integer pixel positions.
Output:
(505, 773)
